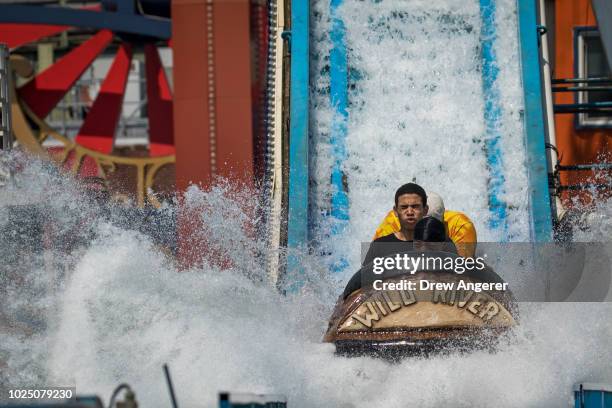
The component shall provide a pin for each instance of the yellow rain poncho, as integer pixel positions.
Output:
(459, 229)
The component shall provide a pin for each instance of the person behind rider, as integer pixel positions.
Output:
(410, 207)
(430, 235)
(459, 227)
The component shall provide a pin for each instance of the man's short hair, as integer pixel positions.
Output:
(411, 188)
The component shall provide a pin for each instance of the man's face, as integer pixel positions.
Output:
(410, 210)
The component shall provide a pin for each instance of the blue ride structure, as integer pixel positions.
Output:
(534, 128)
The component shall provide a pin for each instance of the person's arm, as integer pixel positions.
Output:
(370, 255)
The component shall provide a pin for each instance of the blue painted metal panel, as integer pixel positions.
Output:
(117, 22)
(539, 198)
(297, 229)
(242, 400)
(493, 114)
(339, 102)
(593, 396)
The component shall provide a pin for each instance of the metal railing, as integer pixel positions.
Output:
(587, 185)
(554, 179)
(586, 85)
(601, 84)
(5, 102)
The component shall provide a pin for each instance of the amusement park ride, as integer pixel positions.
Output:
(229, 112)
(237, 107)
(212, 124)
(214, 113)
(239, 104)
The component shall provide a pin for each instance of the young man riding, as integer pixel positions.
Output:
(410, 207)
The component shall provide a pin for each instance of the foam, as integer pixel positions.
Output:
(416, 114)
(122, 310)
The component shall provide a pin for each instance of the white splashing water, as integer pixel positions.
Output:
(115, 309)
(417, 112)
(122, 309)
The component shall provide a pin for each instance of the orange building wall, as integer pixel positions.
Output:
(212, 139)
(575, 146)
(191, 110)
(213, 121)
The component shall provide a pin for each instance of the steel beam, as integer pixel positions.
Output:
(297, 229)
(98, 129)
(45, 91)
(6, 128)
(117, 22)
(233, 98)
(159, 105)
(539, 198)
(213, 128)
(16, 35)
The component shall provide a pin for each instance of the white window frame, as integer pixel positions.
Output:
(583, 119)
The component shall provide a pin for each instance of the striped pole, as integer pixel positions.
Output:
(339, 101)
(492, 116)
